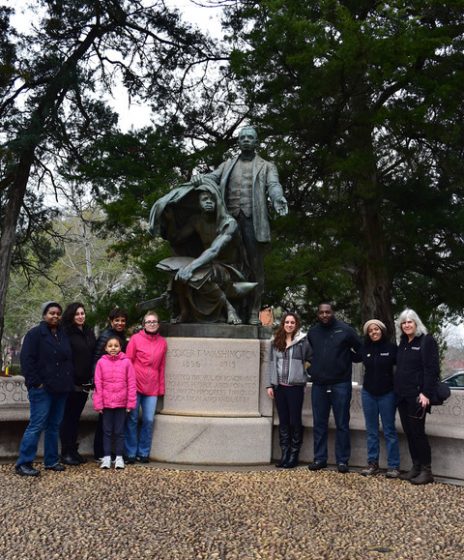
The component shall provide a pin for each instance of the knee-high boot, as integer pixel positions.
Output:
(284, 440)
(295, 446)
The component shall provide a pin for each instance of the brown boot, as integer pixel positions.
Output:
(424, 477)
(412, 473)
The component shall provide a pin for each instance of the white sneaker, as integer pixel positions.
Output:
(119, 462)
(106, 462)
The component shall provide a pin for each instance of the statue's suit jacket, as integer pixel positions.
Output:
(265, 184)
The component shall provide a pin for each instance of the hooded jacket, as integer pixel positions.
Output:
(300, 351)
(147, 353)
(114, 383)
(334, 346)
(46, 359)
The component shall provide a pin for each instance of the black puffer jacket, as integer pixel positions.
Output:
(103, 339)
(83, 343)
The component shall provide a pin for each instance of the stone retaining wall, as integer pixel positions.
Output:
(445, 427)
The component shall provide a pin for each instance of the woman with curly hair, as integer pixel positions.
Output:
(290, 352)
(82, 339)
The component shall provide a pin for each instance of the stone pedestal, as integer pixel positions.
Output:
(213, 411)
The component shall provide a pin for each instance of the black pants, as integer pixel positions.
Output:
(289, 404)
(114, 421)
(414, 427)
(69, 429)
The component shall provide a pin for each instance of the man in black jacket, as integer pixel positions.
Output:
(334, 344)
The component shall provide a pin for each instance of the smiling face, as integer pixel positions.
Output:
(151, 324)
(374, 332)
(113, 347)
(79, 317)
(409, 328)
(325, 313)
(290, 324)
(53, 316)
(118, 324)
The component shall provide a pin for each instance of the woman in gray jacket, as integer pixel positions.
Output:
(290, 352)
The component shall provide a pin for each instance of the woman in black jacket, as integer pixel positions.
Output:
(83, 342)
(378, 356)
(418, 368)
(46, 364)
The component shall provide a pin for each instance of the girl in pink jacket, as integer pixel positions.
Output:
(115, 394)
(147, 351)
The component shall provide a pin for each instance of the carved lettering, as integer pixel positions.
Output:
(220, 377)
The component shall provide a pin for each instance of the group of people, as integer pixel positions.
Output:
(61, 361)
(399, 377)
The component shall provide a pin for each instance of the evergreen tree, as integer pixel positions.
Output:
(362, 105)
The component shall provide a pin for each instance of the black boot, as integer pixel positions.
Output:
(413, 472)
(424, 477)
(284, 440)
(295, 446)
(75, 453)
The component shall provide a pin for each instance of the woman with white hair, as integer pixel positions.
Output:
(418, 367)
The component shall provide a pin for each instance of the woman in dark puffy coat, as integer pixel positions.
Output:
(47, 367)
(290, 352)
(83, 342)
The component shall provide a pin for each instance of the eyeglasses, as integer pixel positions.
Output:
(151, 322)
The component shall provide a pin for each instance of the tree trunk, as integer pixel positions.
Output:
(373, 280)
(372, 277)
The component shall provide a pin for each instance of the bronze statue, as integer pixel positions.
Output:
(207, 280)
(246, 182)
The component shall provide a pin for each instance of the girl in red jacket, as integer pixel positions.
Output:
(114, 396)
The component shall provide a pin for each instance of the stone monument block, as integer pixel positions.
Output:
(212, 377)
(212, 440)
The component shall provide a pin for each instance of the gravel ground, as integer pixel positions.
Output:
(149, 513)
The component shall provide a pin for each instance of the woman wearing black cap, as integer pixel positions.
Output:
(46, 364)
(378, 355)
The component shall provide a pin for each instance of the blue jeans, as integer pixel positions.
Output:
(46, 413)
(385, 407)
(323, 397)
(140, 446)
